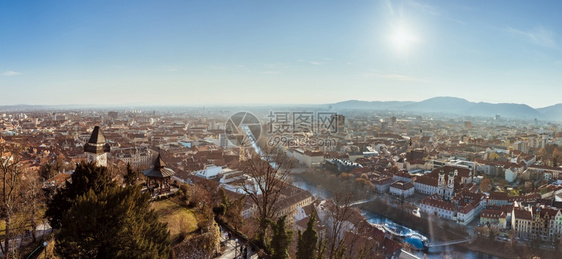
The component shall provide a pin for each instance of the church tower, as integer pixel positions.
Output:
(450, 186)
(97, 148)
(441, 184)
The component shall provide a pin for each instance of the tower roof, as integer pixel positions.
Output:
(97, 137)
(159, 169)
(96, 144)
(159, 163)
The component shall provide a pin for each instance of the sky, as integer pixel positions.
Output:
(278, 52)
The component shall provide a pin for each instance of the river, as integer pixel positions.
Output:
(455, 251)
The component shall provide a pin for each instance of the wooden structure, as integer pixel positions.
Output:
(158, 177)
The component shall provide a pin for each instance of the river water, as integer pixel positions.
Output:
(454, 251)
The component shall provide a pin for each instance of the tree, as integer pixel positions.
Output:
(321, 249)
(307, 240)
(281, 239)
(267, 183)
(339, 211)
(11, 175)
(394, 169)
(535, 244)
(115, 223)
(131, 176)
(491, 234)
(52, 168)
(46, 171)
(486, 185)
(87, 176)
(203, 246)
(232, 213)
(34, 197)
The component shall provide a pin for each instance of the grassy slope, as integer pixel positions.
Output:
(179, 219)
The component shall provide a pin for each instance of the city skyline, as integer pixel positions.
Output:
(240, 53)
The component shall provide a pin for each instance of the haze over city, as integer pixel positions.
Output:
(278, 52)
(296, 129)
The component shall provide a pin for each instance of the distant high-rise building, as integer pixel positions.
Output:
(113, 114)
(468, 125)
(340, 122)
(522, 146)
(384, 125)
(97, 148)
(223, 140)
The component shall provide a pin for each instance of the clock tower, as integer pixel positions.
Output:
(97, 148)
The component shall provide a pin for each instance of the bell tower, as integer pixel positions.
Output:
(97, 148)
(450, 186)
(441, 184)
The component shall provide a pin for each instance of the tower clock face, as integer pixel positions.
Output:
(101, 160)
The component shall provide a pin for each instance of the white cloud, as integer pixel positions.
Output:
(540, 36)
(10, 73)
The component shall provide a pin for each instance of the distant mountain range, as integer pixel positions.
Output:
(458, 106)
(436, 105)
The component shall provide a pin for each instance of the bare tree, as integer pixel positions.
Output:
(34, 199)
(11, 172)
(339, 212)
(268, 176)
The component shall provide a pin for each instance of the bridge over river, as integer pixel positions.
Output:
(424, 240)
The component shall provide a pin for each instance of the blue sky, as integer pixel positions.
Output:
(278, 52)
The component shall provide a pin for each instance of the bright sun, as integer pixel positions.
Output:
(402, 38)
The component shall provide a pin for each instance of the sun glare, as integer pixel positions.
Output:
(402, 38)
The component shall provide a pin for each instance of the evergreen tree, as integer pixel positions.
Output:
(281, 239)
(131, 176)
(86, 177)
(116, 223)
(321, 249)
(307, 240)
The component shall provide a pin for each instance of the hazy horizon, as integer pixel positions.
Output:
(282, 53)
(241, 104)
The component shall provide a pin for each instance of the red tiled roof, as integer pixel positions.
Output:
(427, 180)
(522, 214)
(498, 196)
(466, 209)
(382, 181)
(438, 204)
(493, 214)
(543, 167)
(402, 185)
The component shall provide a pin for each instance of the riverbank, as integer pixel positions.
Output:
(435, 229)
